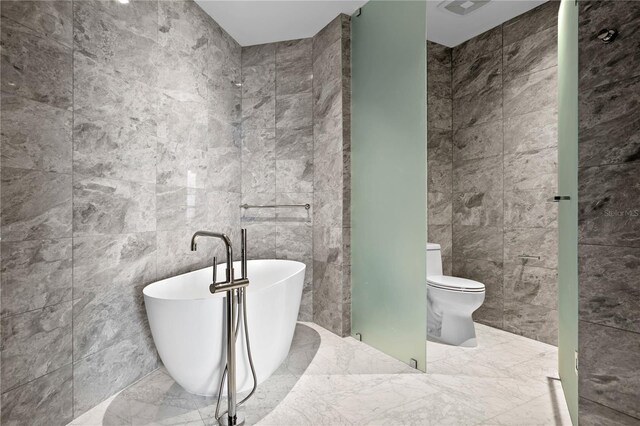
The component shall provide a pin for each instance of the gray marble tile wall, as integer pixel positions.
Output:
(277, 154)
(440, 151)
(530, 287)
(331, 182)
(120, 137)
(492, 167)
(608, 219)
(295, 150)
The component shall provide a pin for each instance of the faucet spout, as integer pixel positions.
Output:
(227, 243)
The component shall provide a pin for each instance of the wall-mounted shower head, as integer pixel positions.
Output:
(607, 35)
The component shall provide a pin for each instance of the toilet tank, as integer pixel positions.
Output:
(434, 259)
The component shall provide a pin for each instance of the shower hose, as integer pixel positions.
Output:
(242, 317)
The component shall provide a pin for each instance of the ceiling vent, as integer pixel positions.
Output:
(462, 7)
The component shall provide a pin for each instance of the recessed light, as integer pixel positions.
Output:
(123, 1)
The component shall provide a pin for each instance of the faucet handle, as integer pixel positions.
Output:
(215, 270)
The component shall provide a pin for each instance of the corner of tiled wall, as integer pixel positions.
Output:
(277, 154)
(331, 129)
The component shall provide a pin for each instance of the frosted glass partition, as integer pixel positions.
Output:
(388, 210)
(568, 209)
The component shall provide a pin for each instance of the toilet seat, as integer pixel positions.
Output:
(462, 285)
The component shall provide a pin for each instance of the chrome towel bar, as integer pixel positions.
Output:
(273, 206)
(526, 256)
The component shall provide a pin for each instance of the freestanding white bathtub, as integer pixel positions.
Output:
(188, 323)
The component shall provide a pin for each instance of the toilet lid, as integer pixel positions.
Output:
(454, 283)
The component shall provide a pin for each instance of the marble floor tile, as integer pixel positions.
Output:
(544, 410)
(329, 380)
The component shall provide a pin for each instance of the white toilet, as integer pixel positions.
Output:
(450, 303)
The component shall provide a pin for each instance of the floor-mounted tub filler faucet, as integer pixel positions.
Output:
(236, 295)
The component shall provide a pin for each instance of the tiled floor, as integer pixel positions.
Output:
(327, 380)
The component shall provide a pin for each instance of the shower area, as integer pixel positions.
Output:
(492, 168)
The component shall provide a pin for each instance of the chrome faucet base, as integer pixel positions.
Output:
(224, 420)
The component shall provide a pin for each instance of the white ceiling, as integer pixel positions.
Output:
(450, 30)
(255, 22)
(264, 21)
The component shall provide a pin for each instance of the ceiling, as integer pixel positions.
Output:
(255, 22)
(264, 21)
(450, 30)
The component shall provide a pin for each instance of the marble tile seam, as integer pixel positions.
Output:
(484, 54)
(14, 314)
(154, 85)
(528, 112)
(610, 408)
(515, 228)
(37, 33)
(602, 165)
(80, 118)
(592, 88)
(114, 234)
(608, 326)
(605, 245)
(36, 378)
(80, 176)
(38, 170)
(48, 105)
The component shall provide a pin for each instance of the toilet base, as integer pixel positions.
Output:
(450, 328)
(458, 330)
(449, 317)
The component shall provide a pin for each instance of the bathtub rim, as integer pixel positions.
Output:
(301, 267)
